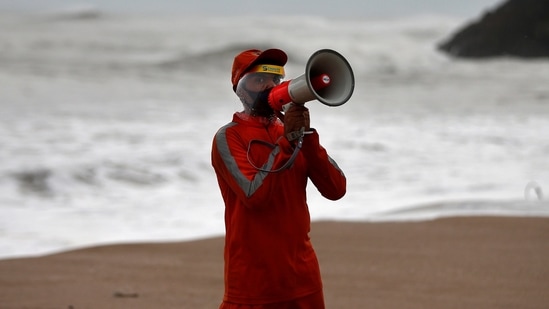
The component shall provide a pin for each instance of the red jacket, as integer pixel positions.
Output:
(268, 254)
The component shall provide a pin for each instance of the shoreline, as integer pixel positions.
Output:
(480, 262)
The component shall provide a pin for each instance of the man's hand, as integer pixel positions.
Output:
(296, 121)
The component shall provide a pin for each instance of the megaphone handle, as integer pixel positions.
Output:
(292, 136)
(280, 115)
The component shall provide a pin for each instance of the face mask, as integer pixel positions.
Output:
(253, 90)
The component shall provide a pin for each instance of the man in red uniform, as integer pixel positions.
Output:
(262, 167)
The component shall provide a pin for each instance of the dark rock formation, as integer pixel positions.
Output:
(518, 28)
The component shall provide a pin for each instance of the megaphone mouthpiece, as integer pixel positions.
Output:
(279, 96)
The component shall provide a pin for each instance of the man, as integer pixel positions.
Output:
(262, 167)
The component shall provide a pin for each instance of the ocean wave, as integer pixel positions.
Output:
(74, 13)
(131, 45)
(213, 58)
(209, 60)
(34, 181)
(483, 207)
(107, 124)
(46, 182)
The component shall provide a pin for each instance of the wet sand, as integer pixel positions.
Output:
(463, 262)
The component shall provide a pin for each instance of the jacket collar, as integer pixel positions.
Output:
(256, 121)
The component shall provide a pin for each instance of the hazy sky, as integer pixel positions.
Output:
(467, 8)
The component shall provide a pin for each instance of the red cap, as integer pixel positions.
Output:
(249, 58)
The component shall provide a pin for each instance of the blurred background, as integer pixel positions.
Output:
(345, 8)
(108, 110)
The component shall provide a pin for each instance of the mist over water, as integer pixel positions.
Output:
(107, 122)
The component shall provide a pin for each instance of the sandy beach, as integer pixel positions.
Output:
(464, 262)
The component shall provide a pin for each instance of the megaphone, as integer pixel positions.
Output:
(328, 78)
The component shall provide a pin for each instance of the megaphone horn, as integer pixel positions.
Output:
(328, 78)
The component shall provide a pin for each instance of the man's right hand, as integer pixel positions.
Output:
(296, 121)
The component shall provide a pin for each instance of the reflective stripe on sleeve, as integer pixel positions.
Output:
(247, 186)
